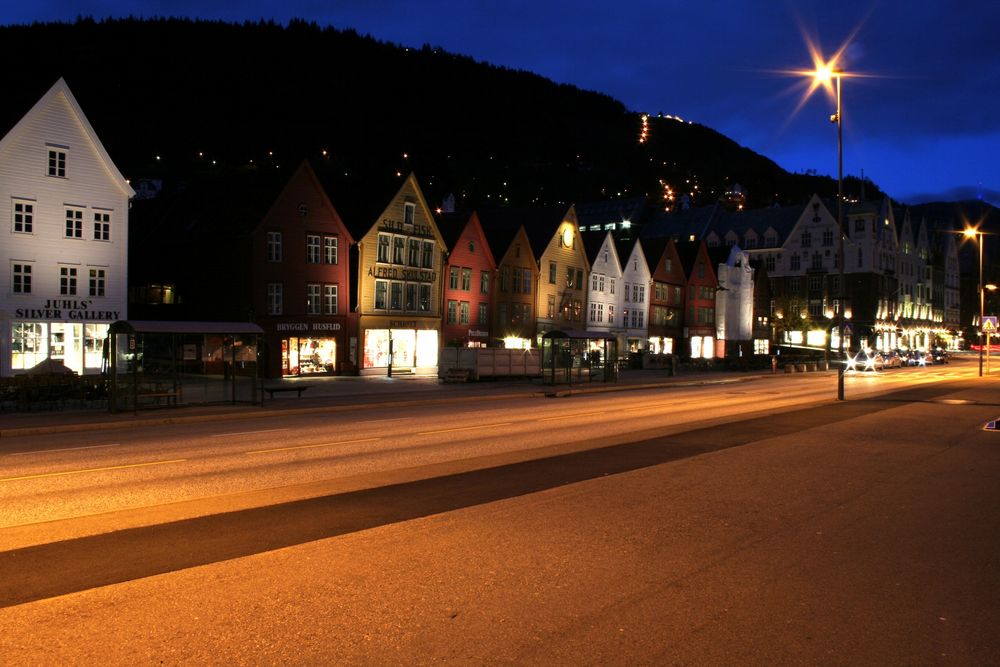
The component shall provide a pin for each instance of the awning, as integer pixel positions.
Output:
(170, 327)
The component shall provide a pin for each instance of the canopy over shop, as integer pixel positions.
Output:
(578, 356)
(153, 364)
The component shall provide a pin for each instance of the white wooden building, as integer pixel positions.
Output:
(64, 239)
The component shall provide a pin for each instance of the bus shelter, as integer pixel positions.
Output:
(157, 364)
(578, 356)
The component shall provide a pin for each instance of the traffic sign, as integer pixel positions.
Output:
(989, 324)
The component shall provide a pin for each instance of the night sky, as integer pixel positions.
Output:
(922, 122)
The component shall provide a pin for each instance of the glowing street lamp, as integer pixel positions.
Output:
(973, 233)
(824, 74)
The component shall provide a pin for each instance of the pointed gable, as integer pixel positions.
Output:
(67, 128)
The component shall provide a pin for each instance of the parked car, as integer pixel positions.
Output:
(892, 360)
(939, 355)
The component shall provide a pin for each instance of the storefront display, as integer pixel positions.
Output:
(79, 347)
(308, 356)
(411, 348)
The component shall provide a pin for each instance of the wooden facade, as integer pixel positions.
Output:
(563, 272)
(301, 282)
(469, 285)
(400, 268)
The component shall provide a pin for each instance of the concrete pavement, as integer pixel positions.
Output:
(341, 393)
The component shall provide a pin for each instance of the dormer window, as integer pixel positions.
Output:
(57, 162)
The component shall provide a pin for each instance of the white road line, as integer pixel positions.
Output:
(463, 428)
(319, 444)
(269, 430)
(64, 449)
(86, 470)
(578, 414)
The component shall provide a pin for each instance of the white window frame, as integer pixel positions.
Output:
(313, 242)
(313, 299)
(68, 279)
(331, 250)
(102, 225)
(97, 277)
(23, 216)
(330, 299)
(275, 298)
(74, 222)
(57, 159)
(20, 277)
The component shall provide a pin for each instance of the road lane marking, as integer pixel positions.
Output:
(379, 421)
(269, 430)
(64, 449)
(86, 470)
(578, 414)
(319, 444)
(463, 428)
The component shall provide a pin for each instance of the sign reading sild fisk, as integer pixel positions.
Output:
(66, 309)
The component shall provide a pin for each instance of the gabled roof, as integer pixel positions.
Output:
(61, 89)
(540, 225)
(624, 248)
(688, 252)
(592, 244)
(652, 249)
(451, 226)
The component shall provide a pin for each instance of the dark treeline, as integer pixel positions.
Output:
(267, 95)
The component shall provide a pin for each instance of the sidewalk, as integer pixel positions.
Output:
(341, 393)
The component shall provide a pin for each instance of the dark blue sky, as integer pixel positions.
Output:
(924, 125)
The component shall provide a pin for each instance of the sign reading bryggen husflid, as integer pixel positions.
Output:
(399, 288)
(64, 240)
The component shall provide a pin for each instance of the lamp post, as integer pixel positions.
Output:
(822, 75)
(972, 233)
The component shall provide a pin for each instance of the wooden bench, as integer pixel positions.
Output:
(298, 389)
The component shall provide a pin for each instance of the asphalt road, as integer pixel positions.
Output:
(750, 525)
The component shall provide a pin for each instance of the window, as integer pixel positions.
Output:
(827, 238)
(795, 285)
(770, 241)
(453, 278)
(668, 264)
(517, 282)
(526, 282)
(593, 282)
(312, 248)
(330, 250)
(552, 273)
(484, 315)
(796, 262)
(463, 313)
(570, 275)
(593, 312)
(97, 282)
(21, 283)
(383, 248)
(413, 256)
(381, 294)
(57, 163)
(612, 285)
(452, 312)
(409, 210)
(395, 296)
(761, 346)
(330, 299)
(274, 246)
(551, 306)
(410, 296)
(860, 261)
(611, 314)
(578, 283)
(428, 262)
(600, 283)
(24, 217)
(425, 298)
(701, 270)
(312, 299)
(274, 298)
(600, 312)
(67, 280)
(484, 282)
(102, 226)
(466, 279)
(817, 261)
(74, 223)
(859, 226)
(769, 263)
(806, 240)
(505, 279)
(638, 293)
(815, 283)
(398, 246)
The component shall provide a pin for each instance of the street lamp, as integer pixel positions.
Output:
(973, 233)
(824, 73)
